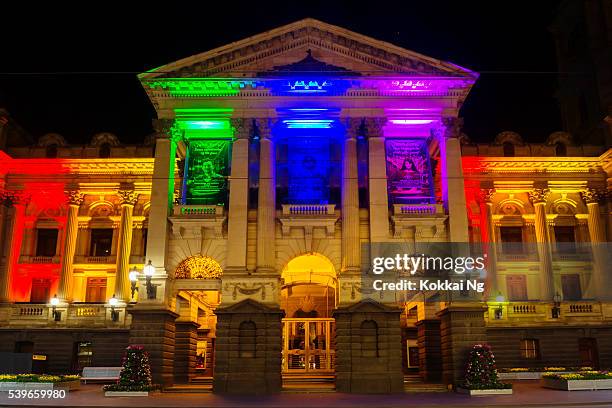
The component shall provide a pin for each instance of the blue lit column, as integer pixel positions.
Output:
(351, 251)
(266, 208)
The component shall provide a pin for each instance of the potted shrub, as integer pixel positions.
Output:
(135, 377)
(481, 376)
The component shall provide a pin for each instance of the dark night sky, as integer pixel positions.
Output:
(483, 36)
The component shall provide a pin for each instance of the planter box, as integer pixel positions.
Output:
(496, 391)
(68, 385)
(576, 385)
(126, 393)
(64, 385)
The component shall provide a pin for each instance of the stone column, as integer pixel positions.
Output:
(186, 344)
(351, 245)
(266, 208)
(162, 190)
(238, 197)
(430, 358)
(488, 229)
(127, 200)
(8, 216)
(538, 198)
(377, 179)
(64, 290)
(453, 189)
(601, 260)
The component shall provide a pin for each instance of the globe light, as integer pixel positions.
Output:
(149, 269)
(133, 275)
(54, 301)
(500, 297)
(113, 301)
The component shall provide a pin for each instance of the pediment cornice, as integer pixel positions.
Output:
(246, 57)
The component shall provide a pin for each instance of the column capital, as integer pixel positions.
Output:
(592, 195)
(374, 126)
(264, 125)
(127, 197)
(353, 126)
(452, 127)
(486, 195)
(242, 127)
(539, 195)
(74, 197)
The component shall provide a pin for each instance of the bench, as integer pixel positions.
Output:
(100, 374)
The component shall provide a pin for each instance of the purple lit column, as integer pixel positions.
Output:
(377, 178)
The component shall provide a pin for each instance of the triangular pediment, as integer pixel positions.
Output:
(317, 46)
(247, 306)
(367, 306)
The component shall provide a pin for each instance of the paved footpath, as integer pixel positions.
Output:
(526, 394)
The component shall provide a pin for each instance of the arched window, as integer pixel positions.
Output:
(369, 338)
(560, 149)
(51, 151)
(247, 336)
(105, 150)
(508, 149)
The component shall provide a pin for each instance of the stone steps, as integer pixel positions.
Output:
(309, 384)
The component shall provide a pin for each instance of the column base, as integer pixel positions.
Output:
(376, 369)
(242, 367)
(154, 328)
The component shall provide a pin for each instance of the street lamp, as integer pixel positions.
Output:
(114, 313)
(133, 275)
(556, 310)
(500, 309)
(149, 271)
(57, 315)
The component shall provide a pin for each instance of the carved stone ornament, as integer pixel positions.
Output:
(198, 267)
(487, 194)
(539, 195)
(591, 195)
(264, 126)
(127, 197)
(452, 127)
(163, 127)
(353, 127)
(74, 197)
(243, 127)
(374, 126)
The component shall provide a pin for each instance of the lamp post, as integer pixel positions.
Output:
(114, 313)
(133, 275)
(57, 315)
(500, 309)
(556, 310)
(149, 271)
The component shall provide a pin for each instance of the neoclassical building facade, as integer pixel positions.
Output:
(233, 242)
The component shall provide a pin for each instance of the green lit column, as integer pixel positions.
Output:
(238, 197)
(162, 191)
(266, 209)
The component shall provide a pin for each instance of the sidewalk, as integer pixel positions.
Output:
(526, 394)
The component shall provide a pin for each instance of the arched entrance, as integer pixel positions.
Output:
(309, 295)
(197, 288)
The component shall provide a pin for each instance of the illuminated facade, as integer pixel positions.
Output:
(277, 161)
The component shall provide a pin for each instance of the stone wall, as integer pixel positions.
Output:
(430, 352)
(361, 367)
(185, 348)
(257, 371)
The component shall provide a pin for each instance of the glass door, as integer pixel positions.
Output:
(307, 345)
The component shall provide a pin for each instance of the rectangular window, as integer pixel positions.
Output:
(517, 287)
(570, 284)
(530, 349)
(101, 242)
(40, 291)
(96, 290)
(565, 238)
(83, 354)
(512, 239)
(46, 242)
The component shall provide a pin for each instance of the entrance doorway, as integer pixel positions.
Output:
(307, 346)
(589, 356)
(309, 296)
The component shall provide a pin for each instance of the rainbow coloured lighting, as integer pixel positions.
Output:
(308, 123)
(411, 121)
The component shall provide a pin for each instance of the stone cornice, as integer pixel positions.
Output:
(116, 166)
(534, 166)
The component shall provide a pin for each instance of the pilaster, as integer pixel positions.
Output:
(64, 291)
(127, 200)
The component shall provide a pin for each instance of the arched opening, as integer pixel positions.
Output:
(308, 296)
(508, 149)
(560, 149)
(51, 151)
(105, 150)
